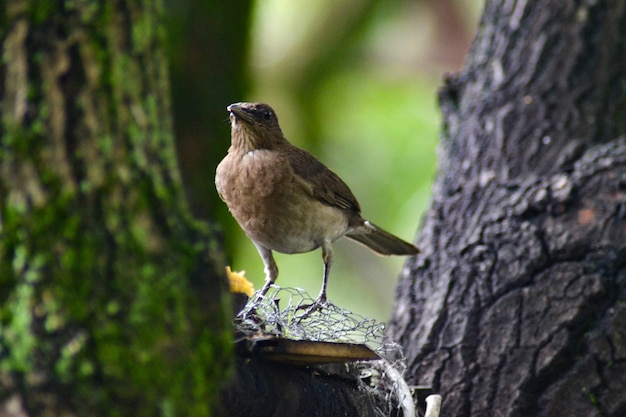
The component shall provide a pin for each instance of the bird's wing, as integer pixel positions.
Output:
(321, 182)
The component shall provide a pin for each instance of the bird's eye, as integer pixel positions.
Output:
(267, 115)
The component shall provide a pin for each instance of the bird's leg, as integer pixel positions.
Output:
(321, 301)
(327, 257)
(271, 269)
(271, 272)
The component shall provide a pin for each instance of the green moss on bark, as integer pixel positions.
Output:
(110, 296)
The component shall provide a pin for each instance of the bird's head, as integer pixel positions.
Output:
(254, 126)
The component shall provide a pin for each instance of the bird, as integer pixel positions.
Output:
(286, 200)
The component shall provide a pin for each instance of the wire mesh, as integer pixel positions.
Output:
(292, 313)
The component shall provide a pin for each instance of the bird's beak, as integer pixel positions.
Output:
(239, 112)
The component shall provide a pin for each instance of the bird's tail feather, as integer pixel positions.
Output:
(381, 241)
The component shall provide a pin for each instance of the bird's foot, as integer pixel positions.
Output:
(319, 304)
(257, 299)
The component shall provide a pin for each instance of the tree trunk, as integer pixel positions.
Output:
(516, 306)
(111, 296)
(208, 53)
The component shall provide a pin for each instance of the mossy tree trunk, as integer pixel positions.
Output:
(111, 296)
(516, 306)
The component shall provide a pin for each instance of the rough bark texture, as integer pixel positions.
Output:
(109, 301)
(516, 306)
(262, 388)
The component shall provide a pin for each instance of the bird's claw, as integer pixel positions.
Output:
(319, 304)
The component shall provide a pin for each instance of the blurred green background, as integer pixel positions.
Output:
(352, 81)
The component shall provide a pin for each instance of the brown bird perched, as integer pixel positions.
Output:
(286, 200)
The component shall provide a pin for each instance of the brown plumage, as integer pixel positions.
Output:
(286, 200)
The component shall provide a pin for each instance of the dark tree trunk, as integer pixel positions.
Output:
(111, 296)
(207, 48)
(516, 306)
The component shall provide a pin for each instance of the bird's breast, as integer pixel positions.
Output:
(273, 208)
(250, 176)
